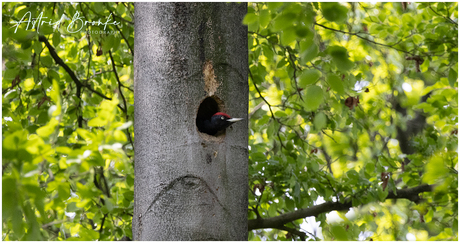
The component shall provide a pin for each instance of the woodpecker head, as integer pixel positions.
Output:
(218, 122)
(223, 120)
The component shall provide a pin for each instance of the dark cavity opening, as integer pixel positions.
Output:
(208, 107)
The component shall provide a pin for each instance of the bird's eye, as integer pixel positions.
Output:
(222, 118)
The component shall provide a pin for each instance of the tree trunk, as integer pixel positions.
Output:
(189, 185)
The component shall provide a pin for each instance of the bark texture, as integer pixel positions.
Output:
(188, 185)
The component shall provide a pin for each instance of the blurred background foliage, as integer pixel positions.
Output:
(334, 89)
(341, 110)
(67, 168)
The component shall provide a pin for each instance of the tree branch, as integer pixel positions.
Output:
(102, 226)
(364, 38)
(445, 17)
(294, 232)
(72, 75)
(269, 106)
(125, 110)
(279, 221)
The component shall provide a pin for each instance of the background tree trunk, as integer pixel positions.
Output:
(188, 185)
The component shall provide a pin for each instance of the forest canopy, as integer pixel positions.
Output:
(353, 121)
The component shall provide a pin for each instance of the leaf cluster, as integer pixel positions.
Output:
(67, 122)
(350, 103)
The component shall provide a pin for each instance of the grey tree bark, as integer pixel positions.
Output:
(189, 185)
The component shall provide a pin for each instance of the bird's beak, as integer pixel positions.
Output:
(234, 119)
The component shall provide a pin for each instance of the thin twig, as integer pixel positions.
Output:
(102, 226)
(364, 38)
(301, 234)
(447, 18)
(328, 136)
(72, 75)
(269, 106)
(125, 110)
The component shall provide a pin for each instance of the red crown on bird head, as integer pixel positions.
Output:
(222, 114)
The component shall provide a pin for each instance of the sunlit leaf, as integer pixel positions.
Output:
(249, 18)
(264, 17)
(313, 98)
(320, 121)
(48, 129)
(435, 170)
(309, 77)
(339, 233)
(283, 20)
(336, 84)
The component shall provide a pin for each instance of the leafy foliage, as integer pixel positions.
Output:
(67, 122)
(350, 105)
(338, 117)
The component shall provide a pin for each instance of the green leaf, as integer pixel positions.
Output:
(280, 114)
(47, 61)
(85, 134)
(281, 63)
(249, 18)
(339, 233)
(259, 156)
(289, 204)
(297, 190)
(313, 165)
(72, 207)
(15, 140)
(303, 31)
(334, 12)
(56, 98)
(119, 136)
(336, 84)
(283, 20)
(340, 58)
(452, 77)
(48, 129)
(63, 191)
(130, 180)
(435, 170)
(264, 18)
(272, 210)
(309, 50)
(97, 122)
(56, 39)
(88, 234)
(382, 194)
(109, 204)
(9, 196)
(108, 43)
(352, 174)
(273, 6)
(268, 52)
(313, 98)
(96, 159)
(320, 121)
(382, 17)
(10, 73)
(308, 77)
(288, 35)
(425, 65)
(99, 7)
(429, 215)
(64, 150)
(418, 39)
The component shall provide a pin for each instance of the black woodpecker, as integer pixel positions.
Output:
(216, 123)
